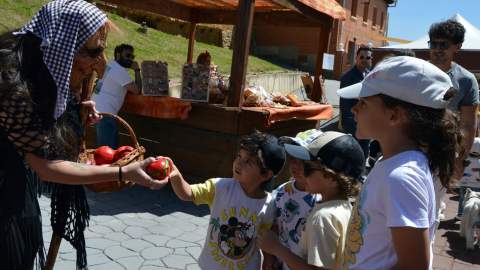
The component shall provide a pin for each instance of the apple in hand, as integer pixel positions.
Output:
(103, 155)
(160, 168)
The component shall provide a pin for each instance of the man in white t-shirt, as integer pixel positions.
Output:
(111, 90)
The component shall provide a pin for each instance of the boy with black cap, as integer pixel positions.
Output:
(239, 206)
(333, 167)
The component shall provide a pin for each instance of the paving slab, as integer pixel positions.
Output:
(162, 232)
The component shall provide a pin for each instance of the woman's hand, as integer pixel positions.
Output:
(136, 172)
(93, 115)
(268, 241)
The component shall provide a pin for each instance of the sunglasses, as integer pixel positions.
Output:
(441, 45)
(365, 57)
(92, 53)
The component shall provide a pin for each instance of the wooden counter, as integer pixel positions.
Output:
(205, 143)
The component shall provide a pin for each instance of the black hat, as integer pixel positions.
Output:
(272, 154)
(337, 151)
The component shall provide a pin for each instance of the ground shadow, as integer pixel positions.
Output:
(449, 225)
(142, 200)
(458, 250)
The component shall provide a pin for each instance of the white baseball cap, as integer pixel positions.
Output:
(405, 78)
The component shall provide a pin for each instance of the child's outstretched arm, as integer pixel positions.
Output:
(181, 188)
(412, 248)
(268, 242)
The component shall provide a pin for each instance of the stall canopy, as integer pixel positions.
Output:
(471, 43)
(223, 11)
(243, 14)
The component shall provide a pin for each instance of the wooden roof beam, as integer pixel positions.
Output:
(278, 18)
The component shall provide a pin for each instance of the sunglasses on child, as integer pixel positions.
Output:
(365, 57)
(92, 53)
(441, 45)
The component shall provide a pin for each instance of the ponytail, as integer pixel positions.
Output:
(436, 132)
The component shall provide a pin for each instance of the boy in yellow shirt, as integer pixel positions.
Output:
(239, 206)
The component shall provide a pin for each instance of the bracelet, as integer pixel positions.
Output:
(120, 178)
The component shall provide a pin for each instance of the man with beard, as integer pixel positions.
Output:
(111, 90)
(363, 64)
(446, 40)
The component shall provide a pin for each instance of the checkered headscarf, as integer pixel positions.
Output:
(64, 26)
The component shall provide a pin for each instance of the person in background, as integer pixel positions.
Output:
(363, 64)
(110, 92)
(204, 58)
(446, 40)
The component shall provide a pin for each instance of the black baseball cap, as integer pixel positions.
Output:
(273, 154)
(337, 151)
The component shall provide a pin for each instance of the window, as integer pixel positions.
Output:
(381, 20)
(365, 11)
(374, 19)
(351, 52)
(354, 8)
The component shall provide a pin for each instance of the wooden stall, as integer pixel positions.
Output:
(202, 138)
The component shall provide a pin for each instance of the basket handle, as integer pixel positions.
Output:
(126, 125)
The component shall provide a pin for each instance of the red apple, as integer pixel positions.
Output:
(121, 152)
(160, 168)
(103, 155)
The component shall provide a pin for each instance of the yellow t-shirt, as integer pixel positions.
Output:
(235, 220)
(323, 241)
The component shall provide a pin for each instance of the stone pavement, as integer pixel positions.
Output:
(146, 230)
(449, 248)
(137, 229)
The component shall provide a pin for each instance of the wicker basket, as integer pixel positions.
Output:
(86, 156)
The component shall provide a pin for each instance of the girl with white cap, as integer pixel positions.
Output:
(402, 104)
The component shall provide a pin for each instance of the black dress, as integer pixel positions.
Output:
(22, 131)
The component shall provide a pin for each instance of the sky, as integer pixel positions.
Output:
(411, 19)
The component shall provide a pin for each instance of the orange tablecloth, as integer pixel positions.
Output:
(156, 106)
(306, 112)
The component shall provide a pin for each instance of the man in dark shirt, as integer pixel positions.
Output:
(363, 63)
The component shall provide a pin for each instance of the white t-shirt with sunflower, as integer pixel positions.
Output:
(235, 220)
(398, 192)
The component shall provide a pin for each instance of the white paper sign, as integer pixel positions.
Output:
(328, 61)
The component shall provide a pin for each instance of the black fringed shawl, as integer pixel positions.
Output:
(23, 130)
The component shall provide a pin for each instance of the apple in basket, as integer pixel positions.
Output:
(121, 152)
(103, 155)
(160, 168)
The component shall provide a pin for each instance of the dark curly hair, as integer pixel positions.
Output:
(436, 132)
(120, 48)
(252, 144)
(450, 30)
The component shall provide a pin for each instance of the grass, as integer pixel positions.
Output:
(154, 45)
